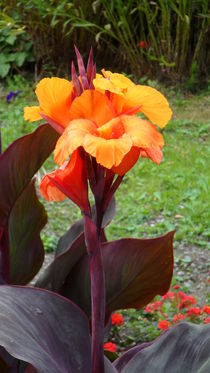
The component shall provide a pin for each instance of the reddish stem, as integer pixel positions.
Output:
(5, 255)
(97, 281)
(112, 191)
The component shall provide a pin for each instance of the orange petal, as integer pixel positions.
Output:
(108, 153)
(55, 96)
(32, 113)
(49, 191)
(155, 154)
(152, 103)
(92, 105)
(142, 133)
(72, 138)
(70, 180)
(127, 162)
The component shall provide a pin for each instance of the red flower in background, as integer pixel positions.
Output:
(207, 320)
(168, 295)
(178, 317)
(117, 319)
(176, 287)
(194, 311)
(109, 346)
(206, 309)
(185, 300)
(144, 44)
(164, 324)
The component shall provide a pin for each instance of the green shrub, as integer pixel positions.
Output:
(16, 49)
(165, 38)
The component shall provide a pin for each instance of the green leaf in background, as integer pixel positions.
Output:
(20, 58)
(4, 69)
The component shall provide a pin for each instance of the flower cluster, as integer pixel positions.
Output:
(181, 306)
(166, 311)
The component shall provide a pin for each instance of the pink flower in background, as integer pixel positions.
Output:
(207, 320)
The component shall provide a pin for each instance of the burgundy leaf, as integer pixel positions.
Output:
(136, 270)
(26, 220)
(18, 164)
(44, 329)
(71, 247)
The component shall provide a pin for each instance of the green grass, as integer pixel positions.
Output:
(152, 199)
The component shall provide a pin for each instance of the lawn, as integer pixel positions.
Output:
(152, 199)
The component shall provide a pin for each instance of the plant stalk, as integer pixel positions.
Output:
(97, 281)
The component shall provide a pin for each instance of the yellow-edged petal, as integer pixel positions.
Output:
(112, 82)
(32, 113)
(72, 138)
(55, 96)
(108, 153)
(92, 105)
(152, 103)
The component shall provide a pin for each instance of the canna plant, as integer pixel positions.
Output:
(92, 124)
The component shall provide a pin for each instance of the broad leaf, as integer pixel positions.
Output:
(71, 247)
(135, 272)
(18, 164)
(26, 220)
(45, 330)
(8, 364)
(108, 366)
(183, 348)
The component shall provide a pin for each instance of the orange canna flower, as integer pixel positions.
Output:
(115, 140)
(98, 114)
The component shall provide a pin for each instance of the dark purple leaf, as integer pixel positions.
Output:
(26, 220)
(71, 247)
(123, 360)
(183, 348)
(109, 368)
(18, 164)
(135, 272)
(45, 330)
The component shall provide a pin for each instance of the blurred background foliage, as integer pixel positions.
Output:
(167, 40)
